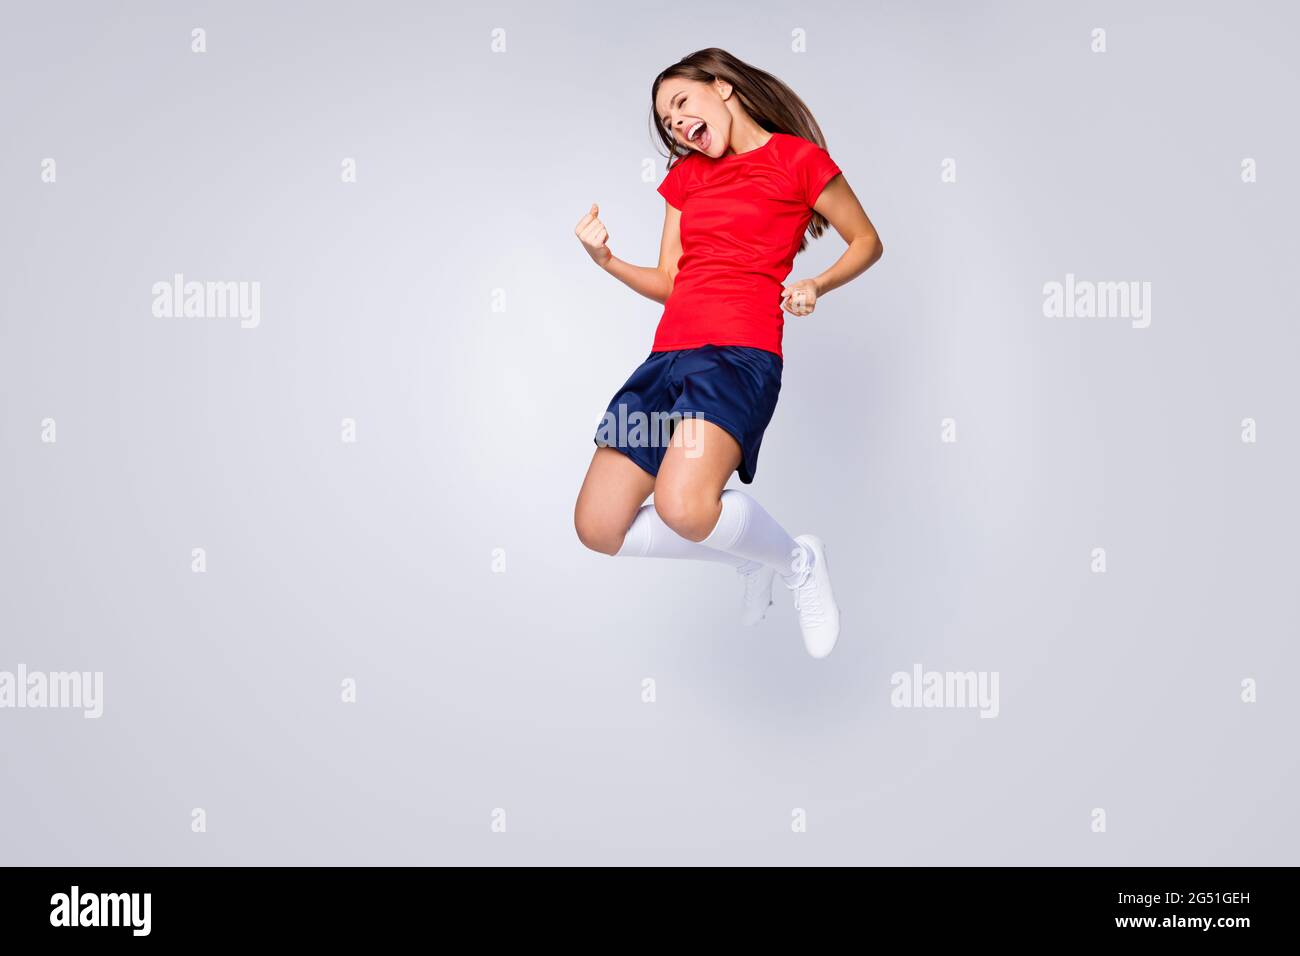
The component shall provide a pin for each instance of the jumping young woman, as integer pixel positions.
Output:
(751, 175)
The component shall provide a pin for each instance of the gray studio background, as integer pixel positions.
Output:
(373, 561)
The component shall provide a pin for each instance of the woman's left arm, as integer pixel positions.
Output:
(842, 210)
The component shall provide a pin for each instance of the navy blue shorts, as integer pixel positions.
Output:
(733, 386)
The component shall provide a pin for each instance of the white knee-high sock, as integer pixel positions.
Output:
(746, 530)
(649, 537)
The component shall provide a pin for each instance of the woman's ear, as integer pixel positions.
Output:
(723, 88)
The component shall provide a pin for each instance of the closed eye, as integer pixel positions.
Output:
(668, 123)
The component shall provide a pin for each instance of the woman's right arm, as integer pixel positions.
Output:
(652, 282)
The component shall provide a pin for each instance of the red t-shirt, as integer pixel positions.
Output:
(743, 216)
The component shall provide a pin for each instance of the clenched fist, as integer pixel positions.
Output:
(800, 298)
(591, 231)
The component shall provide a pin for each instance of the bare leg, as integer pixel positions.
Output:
(693, 500)
(707, 518)
(613, 491)
(611, 518)
(695, 469)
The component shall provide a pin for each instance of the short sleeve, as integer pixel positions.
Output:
(816, 169)
(673, 187)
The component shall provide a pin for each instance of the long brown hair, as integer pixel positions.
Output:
(771, 103)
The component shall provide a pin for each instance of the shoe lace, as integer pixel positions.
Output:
(807, 600)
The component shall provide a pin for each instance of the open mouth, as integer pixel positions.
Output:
(699, 135)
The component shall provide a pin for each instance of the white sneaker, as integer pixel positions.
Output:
(758, 591)
(819, 615)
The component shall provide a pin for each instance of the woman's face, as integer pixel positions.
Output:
(695, 113)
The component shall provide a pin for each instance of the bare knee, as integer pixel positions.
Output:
(598, 532)
(691, 514)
